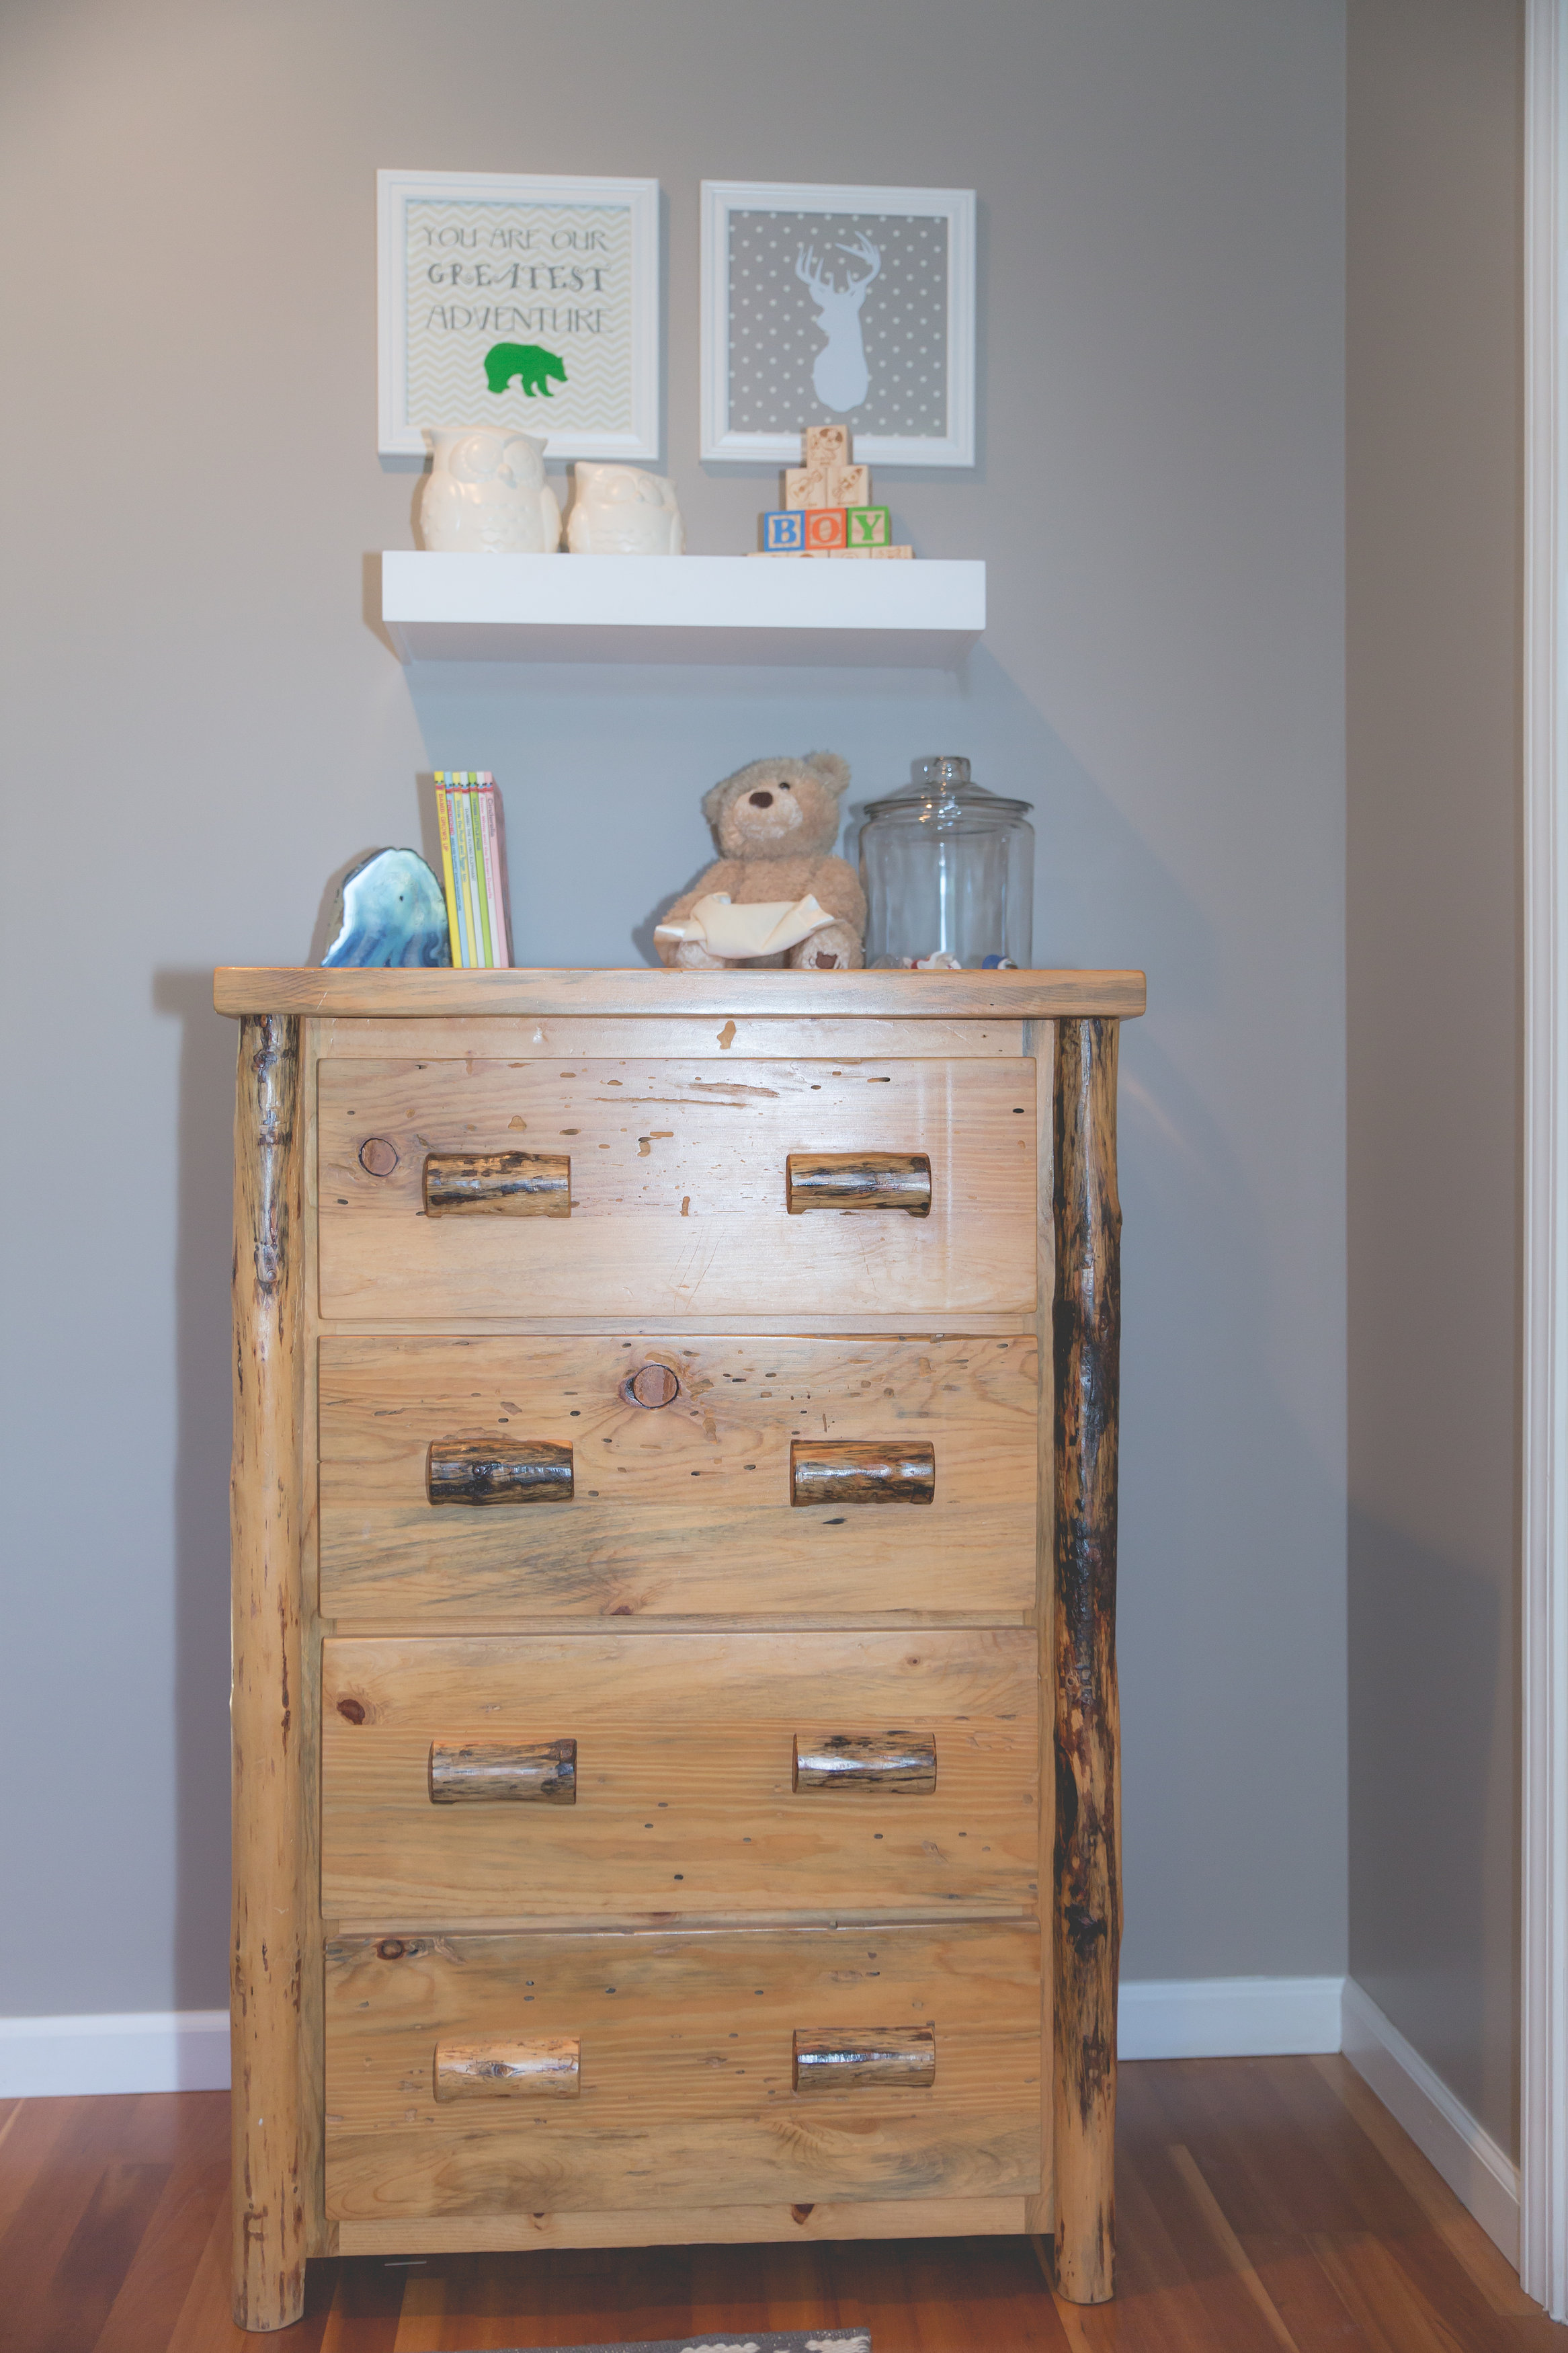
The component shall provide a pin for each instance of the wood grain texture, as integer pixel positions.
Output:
(683, 1512)
(489, 1773)
(484, 1471)
(688, 2053)
(901, 1763)
(535, 994)
(846, 1471)
(272, 2125)
(684, 1774)
(895, 1181)
(491, 1184)
(829, 2060)
(677, 1195)
(1040, 1041)
(509, 2067)
(1087, 1895)
(804, 2222)
(565, 1041)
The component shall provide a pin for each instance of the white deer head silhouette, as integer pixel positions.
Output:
(840, 376)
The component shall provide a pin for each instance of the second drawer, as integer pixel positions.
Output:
(692, 1478)
(683, 1794)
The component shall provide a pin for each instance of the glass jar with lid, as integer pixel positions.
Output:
(949, 872)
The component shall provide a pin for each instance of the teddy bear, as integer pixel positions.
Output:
(775, 822)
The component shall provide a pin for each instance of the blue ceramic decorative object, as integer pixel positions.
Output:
(392, 910)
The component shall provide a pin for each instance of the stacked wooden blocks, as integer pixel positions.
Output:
(827, 507)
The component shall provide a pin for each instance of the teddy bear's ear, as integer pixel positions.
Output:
(717, 796)
(831, 767)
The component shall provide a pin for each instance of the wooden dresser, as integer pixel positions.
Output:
(674, 1511)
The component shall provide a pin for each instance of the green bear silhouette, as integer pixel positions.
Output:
(531, 362)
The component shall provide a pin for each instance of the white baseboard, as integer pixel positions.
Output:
(1482, 2176)
(135, 2050)
(1227, 2017)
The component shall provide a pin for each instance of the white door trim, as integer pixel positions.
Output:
(1543, 2058)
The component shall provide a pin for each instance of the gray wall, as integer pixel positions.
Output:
(1433, 570)
(203, 723)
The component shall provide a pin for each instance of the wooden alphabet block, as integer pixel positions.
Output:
(783, 534)
(827, 445)
(868, 527)
(848, 486)
(825, 527)
(808, 486)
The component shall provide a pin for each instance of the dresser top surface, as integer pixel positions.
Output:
(410, 995)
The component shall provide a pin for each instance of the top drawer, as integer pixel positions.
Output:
(679, 1193)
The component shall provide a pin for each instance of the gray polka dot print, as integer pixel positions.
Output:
(796, 348)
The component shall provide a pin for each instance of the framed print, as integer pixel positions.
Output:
(839, 306)
(529, 303)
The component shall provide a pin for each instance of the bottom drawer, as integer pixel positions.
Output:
(472, 2075)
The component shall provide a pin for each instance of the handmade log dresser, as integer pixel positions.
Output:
(673, 1513)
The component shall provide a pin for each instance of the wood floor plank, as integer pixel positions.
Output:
(1229, 2245)
(1392, 2219)
(1464, 2236)
(146, 2310)
(1233, 2133)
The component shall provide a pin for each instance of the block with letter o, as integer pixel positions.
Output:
(825, 526)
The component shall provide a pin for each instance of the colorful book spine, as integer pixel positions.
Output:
(477, 868)
(462, 848)
(487, 803)
(449, 879)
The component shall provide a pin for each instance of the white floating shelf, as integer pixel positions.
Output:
(682, 608)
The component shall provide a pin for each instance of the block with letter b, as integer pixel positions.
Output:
(784, 533)
(868, 527)
(825, 526)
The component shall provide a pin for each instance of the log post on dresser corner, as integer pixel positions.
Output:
(270, 2129)
(1087, 1873)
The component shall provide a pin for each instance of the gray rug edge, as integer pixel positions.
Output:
(800, 2340)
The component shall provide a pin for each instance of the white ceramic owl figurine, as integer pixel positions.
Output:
(621, 511)
(487, 494)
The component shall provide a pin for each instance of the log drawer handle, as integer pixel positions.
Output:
(480, 1470)
(859, 1180)
(825, 1470)
(509, 2067)
(870, 2058)
(498, 1183)
(897, 1764)
(487, 1773)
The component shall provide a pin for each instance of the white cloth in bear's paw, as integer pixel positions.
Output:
(765, 929)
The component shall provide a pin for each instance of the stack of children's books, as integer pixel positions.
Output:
(473, 867)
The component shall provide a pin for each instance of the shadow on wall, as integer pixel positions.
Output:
(203, 1258)
(1434, 1845)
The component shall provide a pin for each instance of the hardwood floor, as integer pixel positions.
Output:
(1264, 2204)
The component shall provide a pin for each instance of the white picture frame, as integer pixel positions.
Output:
(610, 315)
(733, 427)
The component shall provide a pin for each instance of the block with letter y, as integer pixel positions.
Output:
(869, 526)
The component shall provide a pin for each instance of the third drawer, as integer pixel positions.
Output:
(811, 1475)
(683, 1796)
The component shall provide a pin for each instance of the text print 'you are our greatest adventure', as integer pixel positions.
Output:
(521, 314)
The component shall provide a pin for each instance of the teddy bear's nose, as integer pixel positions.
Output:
(761, 800)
